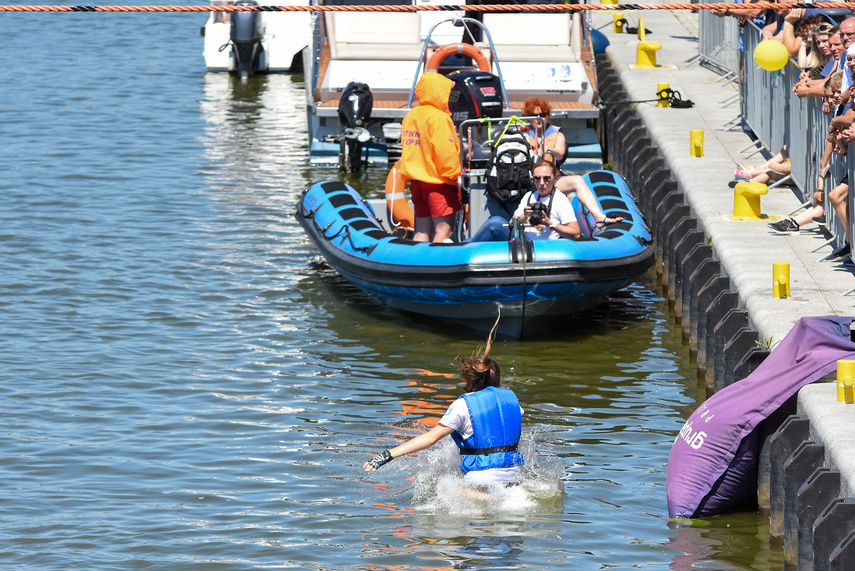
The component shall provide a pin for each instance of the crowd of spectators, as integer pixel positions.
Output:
(823, 43)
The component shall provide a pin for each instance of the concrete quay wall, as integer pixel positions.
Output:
(717, 274)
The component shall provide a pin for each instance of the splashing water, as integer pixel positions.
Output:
(440, 488)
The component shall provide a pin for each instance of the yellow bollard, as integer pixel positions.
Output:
(781, 280)
(664, 100)
(746, 200)
(642, 33)
(645, 55)
(619, 21)
(696, 142)
(845, 376)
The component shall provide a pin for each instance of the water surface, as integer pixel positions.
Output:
(185, 384)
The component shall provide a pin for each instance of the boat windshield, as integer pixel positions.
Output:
(477, 137)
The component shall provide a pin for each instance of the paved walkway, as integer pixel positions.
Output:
(746, 249)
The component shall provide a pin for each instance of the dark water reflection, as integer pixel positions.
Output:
(185, 384)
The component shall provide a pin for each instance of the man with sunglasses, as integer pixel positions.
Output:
(549, 212)
(815, 86)
(839, 44)
(553, 217)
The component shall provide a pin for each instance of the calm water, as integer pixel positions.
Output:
(186, 385)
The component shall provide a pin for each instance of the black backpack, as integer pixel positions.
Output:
(509, 169)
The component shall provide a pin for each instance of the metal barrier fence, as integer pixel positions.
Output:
(780, 119)
(716, 39)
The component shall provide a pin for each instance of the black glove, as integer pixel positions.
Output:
(383, 458)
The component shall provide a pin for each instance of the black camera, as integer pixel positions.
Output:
(539, 213)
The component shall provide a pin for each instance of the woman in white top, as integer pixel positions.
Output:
(485, 423)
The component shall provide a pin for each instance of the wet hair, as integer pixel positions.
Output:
(532, 102)
(544, 163)
(480, 371)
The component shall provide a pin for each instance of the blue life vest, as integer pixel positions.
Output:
(496, 425)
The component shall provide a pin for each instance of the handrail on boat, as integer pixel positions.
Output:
(465, 128)
(463, 20)
(317, 43)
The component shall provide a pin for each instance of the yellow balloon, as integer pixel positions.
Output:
(771, 55)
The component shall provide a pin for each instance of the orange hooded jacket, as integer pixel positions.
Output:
(431, 149)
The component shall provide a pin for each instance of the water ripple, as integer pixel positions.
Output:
(186, 384)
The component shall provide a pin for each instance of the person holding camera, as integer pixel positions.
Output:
(549, 213)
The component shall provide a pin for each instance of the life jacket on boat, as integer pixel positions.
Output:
(496, 426)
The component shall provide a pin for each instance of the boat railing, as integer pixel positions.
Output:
(464, 22)
(482, 133)
(477, 137)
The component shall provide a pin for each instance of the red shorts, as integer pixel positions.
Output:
(434, 200)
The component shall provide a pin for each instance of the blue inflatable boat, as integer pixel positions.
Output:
(535, 284)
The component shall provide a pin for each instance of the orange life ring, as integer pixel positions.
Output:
(398, 210)
(461, 48)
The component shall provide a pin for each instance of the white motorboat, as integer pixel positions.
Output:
(251, 42)
(534, 54)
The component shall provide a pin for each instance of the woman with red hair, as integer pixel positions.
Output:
(546, 140)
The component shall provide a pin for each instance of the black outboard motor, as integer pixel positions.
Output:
(246, 35)
(354, 110)
(475, 94)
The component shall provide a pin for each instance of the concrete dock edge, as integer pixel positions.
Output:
(716, 274)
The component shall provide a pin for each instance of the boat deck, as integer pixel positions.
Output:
(342, 42)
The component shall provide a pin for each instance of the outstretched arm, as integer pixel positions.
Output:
(810, 88)
(415, 444)
(575, 183)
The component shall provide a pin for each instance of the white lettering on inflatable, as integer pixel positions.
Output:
(696, 439)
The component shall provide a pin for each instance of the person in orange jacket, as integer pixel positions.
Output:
(431, 159)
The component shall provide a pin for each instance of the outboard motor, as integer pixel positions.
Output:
(475, 94)
(246, 35)
(354, 110)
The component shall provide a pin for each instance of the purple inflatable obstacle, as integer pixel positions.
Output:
(714, 459)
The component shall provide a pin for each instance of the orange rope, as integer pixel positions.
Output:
(428, 8)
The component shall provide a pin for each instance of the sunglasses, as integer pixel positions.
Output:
(543, 115)
(542, 178)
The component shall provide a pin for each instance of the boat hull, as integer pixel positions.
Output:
(533, 284)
